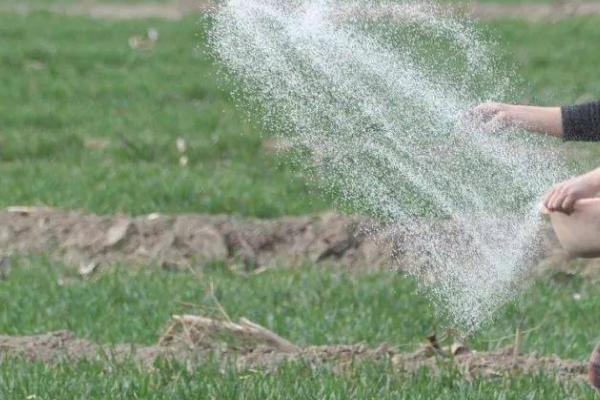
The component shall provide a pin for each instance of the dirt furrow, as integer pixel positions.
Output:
(63, 346)
(348, 242)
(193, 240)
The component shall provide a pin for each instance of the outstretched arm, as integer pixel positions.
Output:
(580, 122)
(497, 116)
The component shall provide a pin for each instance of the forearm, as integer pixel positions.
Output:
(546, 120)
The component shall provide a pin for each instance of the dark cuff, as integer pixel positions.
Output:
(581, 122)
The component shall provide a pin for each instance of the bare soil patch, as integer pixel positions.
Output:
(177, 9)
(193, 340)
(89, 240)
(348, 242)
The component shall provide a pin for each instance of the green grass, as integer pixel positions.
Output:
(60, 95)
(19, 380)
(518, 1)
(306, 305)
(68, 2)
(546, 56)
(98, 88)
(46, 2)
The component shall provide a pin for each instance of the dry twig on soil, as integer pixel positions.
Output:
(201, 332)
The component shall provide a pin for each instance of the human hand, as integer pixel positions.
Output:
(492, 117)
(563, 196)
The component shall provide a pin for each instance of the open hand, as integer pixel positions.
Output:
(492, 117)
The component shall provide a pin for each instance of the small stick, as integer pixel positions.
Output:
(217, 302)
(282, 343)
(518, 341)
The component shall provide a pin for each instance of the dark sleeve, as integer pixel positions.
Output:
(581, 122)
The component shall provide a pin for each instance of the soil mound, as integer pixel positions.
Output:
(183, 240)
(353, 243)
(193, 340)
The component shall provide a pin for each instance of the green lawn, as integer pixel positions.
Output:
(61, 96)
(46, 2)
(306, 305)
(21, 380)
(67, 2)
(91, 123)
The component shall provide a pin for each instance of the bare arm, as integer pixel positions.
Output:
(497, 116)
(580, 122)
(547, 120)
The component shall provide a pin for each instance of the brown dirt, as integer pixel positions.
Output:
(178, 9)
(352, 243)
(62, 346)
(184, 240)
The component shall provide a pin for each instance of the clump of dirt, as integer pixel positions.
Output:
(193, 339)
(254, 346)
(63, 346)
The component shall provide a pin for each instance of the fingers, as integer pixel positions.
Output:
(565, 195)
(568, 204)
(554, 199)
(483, 113)
(548, 199)
(489, 117)
(557, 199)
(497, 123)
(560, 199)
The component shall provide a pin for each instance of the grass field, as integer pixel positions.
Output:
(308, 306)
(22, 380)
(291, 381)
(59, 96)
(92, 123)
